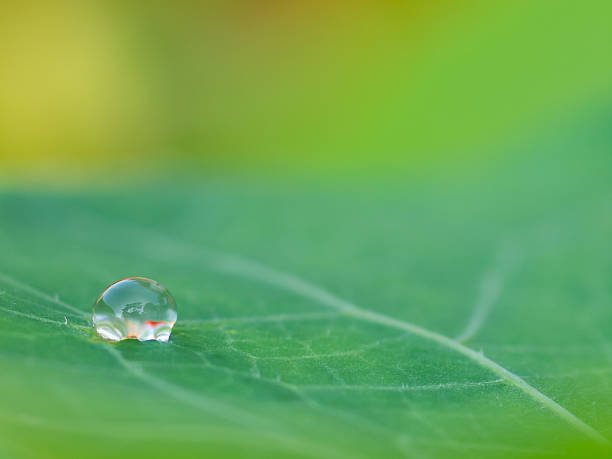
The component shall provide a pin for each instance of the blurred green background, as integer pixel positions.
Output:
(127, 90)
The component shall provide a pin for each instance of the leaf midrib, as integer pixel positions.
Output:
(236, 265)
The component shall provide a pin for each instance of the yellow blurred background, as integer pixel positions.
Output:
(92, 88)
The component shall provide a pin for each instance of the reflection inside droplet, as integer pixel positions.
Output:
(134, 308)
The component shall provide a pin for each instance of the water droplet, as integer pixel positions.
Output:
(134, 308)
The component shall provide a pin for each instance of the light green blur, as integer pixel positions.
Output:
(302, 88)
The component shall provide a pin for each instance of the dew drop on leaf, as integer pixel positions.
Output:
(134, 308)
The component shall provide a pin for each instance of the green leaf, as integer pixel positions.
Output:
(444, 317)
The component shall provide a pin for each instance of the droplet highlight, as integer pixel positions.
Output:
(134, 308)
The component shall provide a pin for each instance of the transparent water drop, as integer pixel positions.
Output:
(134, 308)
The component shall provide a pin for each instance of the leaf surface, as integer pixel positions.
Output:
(433, 318)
